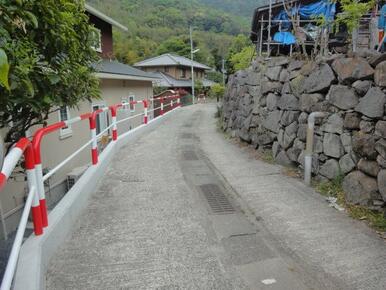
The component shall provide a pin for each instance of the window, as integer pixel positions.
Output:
(64, 115)
(102, 120)
(125, 100)
(183, 73)
(166, 69)
(132, 106)
(97, 37)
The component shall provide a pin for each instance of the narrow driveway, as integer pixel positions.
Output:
(183, 208)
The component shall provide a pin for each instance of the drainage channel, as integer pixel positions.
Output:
(216, 198)
(200, 175)
(245, 248)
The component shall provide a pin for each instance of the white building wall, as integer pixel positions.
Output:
(55, 148)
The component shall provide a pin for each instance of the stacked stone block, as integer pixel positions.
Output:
(267, 105)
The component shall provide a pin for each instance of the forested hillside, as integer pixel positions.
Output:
(238, 7)
(159, 26)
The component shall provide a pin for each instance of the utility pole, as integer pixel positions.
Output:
(191, 58)
(223, 72)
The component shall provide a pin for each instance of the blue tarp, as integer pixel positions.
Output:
(284, 37)
(321, 8)
(382, 18)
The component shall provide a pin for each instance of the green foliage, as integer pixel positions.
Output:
(217, 91)
(334, 188)
(240, 53)
(48, 46)
(242, 60)
(198, 87)
(214, 76)
(176, 44)
(160, 26)
(4, 69)
(241, 7)
(352, 12)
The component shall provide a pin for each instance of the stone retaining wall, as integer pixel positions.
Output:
(268, 104)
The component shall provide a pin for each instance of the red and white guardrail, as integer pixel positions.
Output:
(31, 150)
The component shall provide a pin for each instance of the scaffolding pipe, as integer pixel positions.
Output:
(269, 28)
(261, 36)
(310, 145)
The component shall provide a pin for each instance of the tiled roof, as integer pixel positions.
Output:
(169, 59)
(115, 67)
(165, 80)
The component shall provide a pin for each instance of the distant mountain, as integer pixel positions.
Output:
(243, 8)
(156, 26)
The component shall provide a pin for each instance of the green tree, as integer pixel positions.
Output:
(178, 45)
(352, 12)
(217, 91)
(241, 60)
(159, 26)
(47, 46)
(240, 54)
(198, 87)
(214, 76)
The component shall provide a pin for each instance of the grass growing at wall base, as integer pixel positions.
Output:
(334, 188)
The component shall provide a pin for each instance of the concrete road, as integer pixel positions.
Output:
(183, 208)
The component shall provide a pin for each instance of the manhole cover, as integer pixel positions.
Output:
(189, 155)
(216, 198)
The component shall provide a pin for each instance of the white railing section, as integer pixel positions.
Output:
(33, 164)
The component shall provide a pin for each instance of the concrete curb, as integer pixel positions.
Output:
(36, 252)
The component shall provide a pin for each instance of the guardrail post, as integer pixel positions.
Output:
(94, 144)
(145, 108)
(114, 121)
(162, 105)
(32, 182)
(42, 193)
(178, 101)
(38, 166)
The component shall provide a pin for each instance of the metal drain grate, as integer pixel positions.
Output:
(187, 136)
(217, 200)
(189, 155)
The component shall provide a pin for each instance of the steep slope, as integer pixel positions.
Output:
(235, 7)
(156, 26)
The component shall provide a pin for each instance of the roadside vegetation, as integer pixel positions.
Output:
(333, 188)
(329, 189)
(46, 58)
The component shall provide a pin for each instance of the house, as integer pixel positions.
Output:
(175, 72)
(118, 83)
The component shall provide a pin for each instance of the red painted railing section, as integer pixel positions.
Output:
(32, 149)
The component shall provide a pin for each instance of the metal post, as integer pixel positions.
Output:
(310, 145)
(41, 191)
(162, 105)
(178, 101)
(32, 184)
(223, 72)
(114, 122)
(261, 36)
(269, 28)
(145, 116)
(191, 58)
(94, 144)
